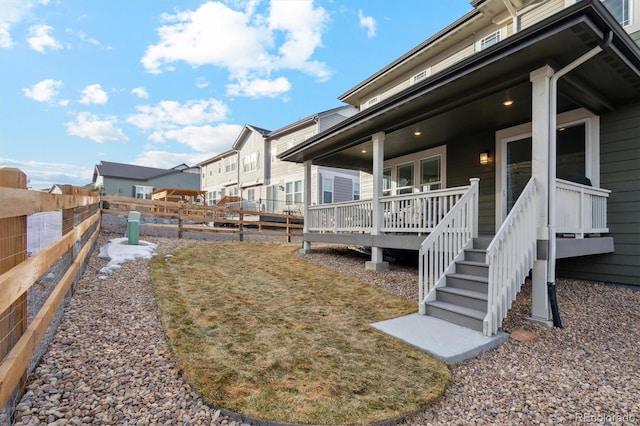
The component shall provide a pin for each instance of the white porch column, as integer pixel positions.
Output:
(306, 245)
(377, 263)
(540, 122)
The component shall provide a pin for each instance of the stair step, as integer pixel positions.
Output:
(470, 267)
(460, 315)
(462, 297)
(482, 242)
(468, 282)
(475, 255)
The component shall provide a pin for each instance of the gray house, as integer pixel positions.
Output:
(506, 144)
(128, 180)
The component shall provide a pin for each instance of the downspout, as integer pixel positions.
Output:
(553, 110)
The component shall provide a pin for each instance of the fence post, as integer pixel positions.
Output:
(241, 224)
(180, 221)
(13, 250)
(288, 227)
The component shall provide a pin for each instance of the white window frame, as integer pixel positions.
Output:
(416, 157)
(482, 43)
(250, 162)
(567, 119)
(356, 191)
(427, 186)
(402, 189)
(251, 194)
(293, 192)
(632, 24)
(327, 188)
(230, 164)
(143, 190)
(373, 101)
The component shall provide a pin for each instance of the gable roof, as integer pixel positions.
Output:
(129, 171)
(245, 130)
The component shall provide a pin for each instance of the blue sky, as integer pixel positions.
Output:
(159, 83)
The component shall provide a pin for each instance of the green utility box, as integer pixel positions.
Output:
(133, 228)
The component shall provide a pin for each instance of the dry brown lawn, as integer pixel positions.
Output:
(261, 332)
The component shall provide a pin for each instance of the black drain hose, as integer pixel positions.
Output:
(553, 301)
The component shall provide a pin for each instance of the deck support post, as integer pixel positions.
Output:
(377, 262)
(540, 133)
(306, 245)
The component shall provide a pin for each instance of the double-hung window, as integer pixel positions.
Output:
(250, 162)
(143, 192)
(405, 178)
(327, 191)
(356, 191)
(386, 181)
(620, 9)
(230, 164)
(293, 192)
(430, 173)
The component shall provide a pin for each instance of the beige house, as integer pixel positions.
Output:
(252, 170)
(504, 145)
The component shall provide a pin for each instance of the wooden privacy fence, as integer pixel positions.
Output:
(22, 328)
(184, 217)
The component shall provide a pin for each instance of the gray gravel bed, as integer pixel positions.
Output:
(110, 364)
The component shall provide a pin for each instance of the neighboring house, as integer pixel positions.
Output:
(541, 102)
(128, 180)
(252, 170)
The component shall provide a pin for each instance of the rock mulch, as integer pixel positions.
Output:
(109, 362)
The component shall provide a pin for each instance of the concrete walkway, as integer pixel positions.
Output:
(449, 342)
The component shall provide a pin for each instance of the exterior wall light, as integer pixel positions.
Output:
(484, 158)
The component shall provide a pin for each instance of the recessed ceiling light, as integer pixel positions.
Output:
(507, 103)
(364, 151)
(417, 133)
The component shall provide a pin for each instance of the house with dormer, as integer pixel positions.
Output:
(252, 171)
(505, 145)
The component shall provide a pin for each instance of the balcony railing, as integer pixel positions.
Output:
(580, 209)
(412, 213)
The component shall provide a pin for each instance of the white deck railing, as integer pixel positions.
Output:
(350, 216)
(580, 209)
(510, 257)
(416, 213)
(446, 242)
(419, 212)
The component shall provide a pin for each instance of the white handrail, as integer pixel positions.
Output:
(448, 239)
(510, 257)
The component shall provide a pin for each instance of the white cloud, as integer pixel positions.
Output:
(43, 174)
(43, 91)
(205, 138)
(170, 114)
(188, 123)
(93, 94)
(368, 23)
(140, 92)
(166, 160)
(99, 130)
(83, 36)
(39, 38)
(244, 42)
(13, 12)
(258, 87)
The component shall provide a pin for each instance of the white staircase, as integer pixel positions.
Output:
(462, 299)
(473, 281)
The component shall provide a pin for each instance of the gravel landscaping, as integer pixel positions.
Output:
(109, 362)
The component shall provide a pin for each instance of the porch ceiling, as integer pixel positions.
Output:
(468, 97)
